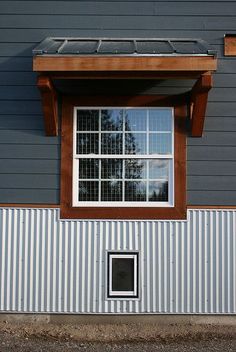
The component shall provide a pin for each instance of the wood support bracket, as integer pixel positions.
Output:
(49, 103)
(198, 100)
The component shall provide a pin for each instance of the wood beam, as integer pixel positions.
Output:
(199, 97)
(124, 63)
(120, 75)
(49, 103)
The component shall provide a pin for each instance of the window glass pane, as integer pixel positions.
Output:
(135, 191)
(158, 191)
(135, 120)
(111, 191)
(88, 168)
(112, 168)
(112, 143)
(158, 169)
(112, 120)
(160, 120)
(87, 143)
(87, 120)
(122, 274)
(135, 168)
(88, 191)
(135, 143)
(160, 143)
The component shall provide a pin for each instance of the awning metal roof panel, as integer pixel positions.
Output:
(138, 46)
(154, 47)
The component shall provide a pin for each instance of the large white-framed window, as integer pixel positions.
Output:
(123, 275)
(123, 156)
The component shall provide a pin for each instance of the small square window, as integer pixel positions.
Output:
(123, 271)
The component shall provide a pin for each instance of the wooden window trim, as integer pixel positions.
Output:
(177, 212)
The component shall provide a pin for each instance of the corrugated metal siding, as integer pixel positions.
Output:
(47, 265)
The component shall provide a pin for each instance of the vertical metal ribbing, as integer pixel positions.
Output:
(234, 266)
(51, 266)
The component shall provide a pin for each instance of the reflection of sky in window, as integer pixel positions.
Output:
(135, 143)
(112, 120)
(87, 120)
(135, 120)
(158, 169)
(160, 143)
(160, 120)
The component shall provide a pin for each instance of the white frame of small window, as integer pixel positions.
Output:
(122, 295)
(76, 157)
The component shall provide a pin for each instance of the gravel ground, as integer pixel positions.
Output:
(122, 337)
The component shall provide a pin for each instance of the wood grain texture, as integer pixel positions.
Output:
(49, 103)
(199, 98)
(230, 45)
(123, 63)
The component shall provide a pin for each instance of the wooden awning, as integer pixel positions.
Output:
(76, 58)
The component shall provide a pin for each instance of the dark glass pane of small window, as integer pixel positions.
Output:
(112, 120)
(122, 274)
(158, 169)
(88, 191)
(135, 168)
(135, 120)
(135, 143)
(135, 191)
(158, 191)
(88, 168)
(160, 143)
(87, 143)
(87, 120)
(112, 143)
(111, 168)
(160, 120)
(111, 191)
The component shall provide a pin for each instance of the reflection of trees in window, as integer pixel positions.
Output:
(131, 145)
(158, 193)
(112, 120)
(117, 169)
(135, 191)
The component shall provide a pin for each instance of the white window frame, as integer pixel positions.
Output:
(123, 294)
(76, 157)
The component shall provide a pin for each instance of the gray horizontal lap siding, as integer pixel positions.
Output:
(30, 162)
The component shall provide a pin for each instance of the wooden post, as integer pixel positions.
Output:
(49, 103)
(199, 96)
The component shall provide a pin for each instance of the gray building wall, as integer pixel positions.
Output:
(30, 162)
